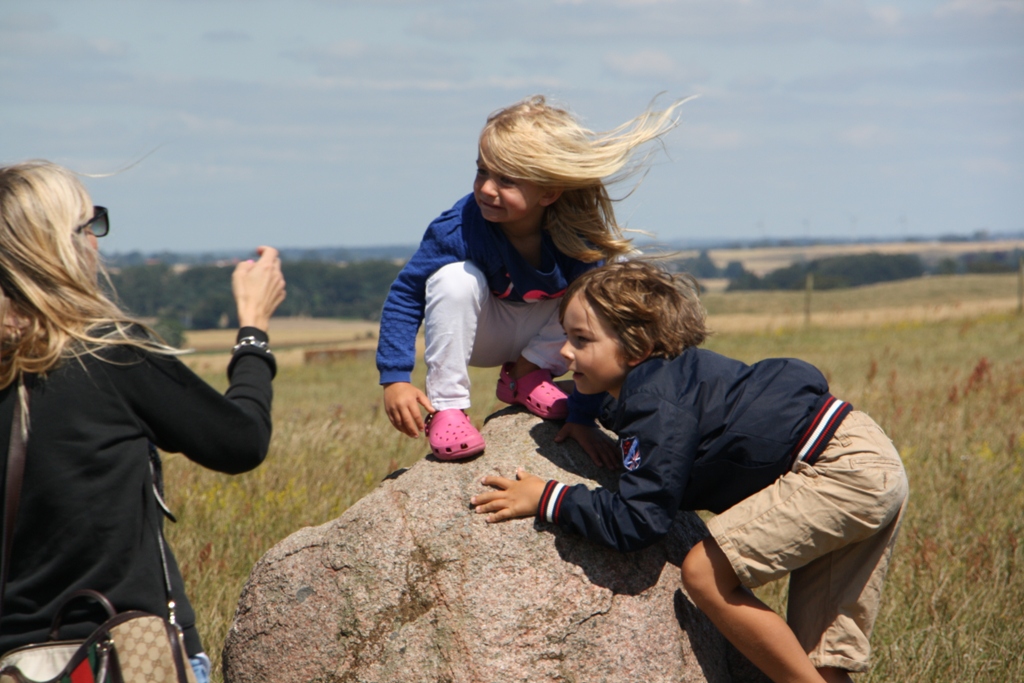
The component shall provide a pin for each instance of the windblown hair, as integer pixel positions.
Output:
(652, 311)
(51, 303)
(532, 140)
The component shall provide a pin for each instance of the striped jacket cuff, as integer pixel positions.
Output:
(822, 428)
(551, 501)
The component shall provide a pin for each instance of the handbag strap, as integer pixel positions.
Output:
(156, 472)
(58, 618)
(15, 472)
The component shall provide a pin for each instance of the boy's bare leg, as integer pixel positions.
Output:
(756, 631)
(833, 675)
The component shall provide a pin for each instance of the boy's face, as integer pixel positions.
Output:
(593, 350)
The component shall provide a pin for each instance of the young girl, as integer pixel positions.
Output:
(489, 272)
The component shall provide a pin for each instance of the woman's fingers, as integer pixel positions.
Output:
(259, 288)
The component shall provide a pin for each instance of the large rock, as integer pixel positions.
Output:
(411, 585)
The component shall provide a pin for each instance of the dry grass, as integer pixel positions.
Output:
(950, 394)
(290, 332)
(929, 299)
(952, 398)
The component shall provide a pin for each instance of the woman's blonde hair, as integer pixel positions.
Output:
(532, 140)
(51, 304)
(653, 312)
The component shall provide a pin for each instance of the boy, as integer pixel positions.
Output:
(801, 484)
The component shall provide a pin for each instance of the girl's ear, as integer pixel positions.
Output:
(551, 196)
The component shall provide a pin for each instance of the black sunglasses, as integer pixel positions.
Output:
(98, 225)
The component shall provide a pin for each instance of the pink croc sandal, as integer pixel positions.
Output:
(535, 390)
(452, 436)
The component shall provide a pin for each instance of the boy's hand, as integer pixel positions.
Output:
(598, 445)
(402, 402)
(519, 498)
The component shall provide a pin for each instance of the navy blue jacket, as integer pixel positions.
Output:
(698, 432)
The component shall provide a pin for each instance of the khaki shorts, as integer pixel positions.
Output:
(831, 527)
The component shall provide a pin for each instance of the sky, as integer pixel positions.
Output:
(210, 125)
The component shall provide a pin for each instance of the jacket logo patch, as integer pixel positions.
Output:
(630, 453)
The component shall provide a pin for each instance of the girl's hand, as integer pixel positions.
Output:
(402, 402)
(519, 498)
(258, 287)
(598, 445)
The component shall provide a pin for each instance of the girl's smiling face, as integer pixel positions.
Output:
(516, 205)
(593, 350)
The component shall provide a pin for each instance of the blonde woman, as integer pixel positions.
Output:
(100, 388)
(489, 272)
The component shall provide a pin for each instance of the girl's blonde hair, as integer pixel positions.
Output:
(532, 140)
(51, 303)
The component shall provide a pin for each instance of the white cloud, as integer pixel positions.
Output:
(343, 50)
(364, 60)
(709, 137)
(864, 135)
(981, 8)
(412, 85)
(755, 83)
(227, 36)
(988, 166)
(50, 47)
(26, 22)
(950, 75)
(33, 36)
(446, 26)
(104, 47)
(643, 64)
(642, 3)
(742, 24)
(886, 15)
(652, 65)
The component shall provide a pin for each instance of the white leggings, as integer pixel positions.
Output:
(465, 325)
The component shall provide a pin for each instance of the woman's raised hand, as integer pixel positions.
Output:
(258, 287)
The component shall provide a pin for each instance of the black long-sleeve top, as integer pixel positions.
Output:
(88, 517)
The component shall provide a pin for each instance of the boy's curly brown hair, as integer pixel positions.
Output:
(654, 313)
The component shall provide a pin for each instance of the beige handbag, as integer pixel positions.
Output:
(131, 647)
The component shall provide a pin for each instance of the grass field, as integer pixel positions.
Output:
(949, 390)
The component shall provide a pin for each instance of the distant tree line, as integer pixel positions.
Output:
(980, 262)
(199, 297)
(836, 272)
(328, 254)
